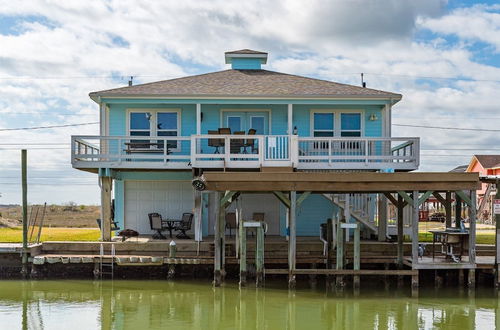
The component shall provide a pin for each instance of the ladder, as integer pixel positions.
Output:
(106, 262)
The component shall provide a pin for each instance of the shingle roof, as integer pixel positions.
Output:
(488, 161)
(246, 83)
(246, 51)
(460, 169)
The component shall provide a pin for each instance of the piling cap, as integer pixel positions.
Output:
(172, 243)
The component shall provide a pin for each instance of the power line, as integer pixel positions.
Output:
(42, 127)
(432, 77)
(450, 128)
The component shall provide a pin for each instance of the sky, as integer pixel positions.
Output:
(443, 56)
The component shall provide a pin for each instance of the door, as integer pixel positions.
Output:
(169, 198)
(245, 120)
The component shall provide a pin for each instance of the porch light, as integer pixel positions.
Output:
(295, 130)
(199, 184)
(373, 117)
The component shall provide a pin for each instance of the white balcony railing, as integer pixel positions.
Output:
(244, 151)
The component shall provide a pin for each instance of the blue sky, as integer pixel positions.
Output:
(443, 56)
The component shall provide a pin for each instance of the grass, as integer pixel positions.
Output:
(15, 235)
(481, 237)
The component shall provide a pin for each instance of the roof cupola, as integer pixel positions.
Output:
(246, 59)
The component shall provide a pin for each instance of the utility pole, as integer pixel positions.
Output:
(24, 180)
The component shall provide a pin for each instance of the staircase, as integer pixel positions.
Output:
(359, 207)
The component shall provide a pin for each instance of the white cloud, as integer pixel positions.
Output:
(163, 39)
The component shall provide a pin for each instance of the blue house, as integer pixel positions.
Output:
(155, 137)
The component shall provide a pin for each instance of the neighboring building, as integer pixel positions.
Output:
(485, 165)
(155, 137)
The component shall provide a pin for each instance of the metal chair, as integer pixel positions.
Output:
(231, 222)
(184, 225)
(237, 144)
(216, 143)
(224, 131)
(157, 223)
(250, 142)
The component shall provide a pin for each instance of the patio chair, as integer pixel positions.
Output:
(184, 225)
(231, 222)
(114, 224)
(224, 131)
(250, 142)
(157, 223)
(216, 143)
(237, 144)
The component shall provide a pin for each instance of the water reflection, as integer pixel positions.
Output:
(196, 305)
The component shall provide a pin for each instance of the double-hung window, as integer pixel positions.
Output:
(140, 125)
(350, 124)
(166, 125)
(337, 123)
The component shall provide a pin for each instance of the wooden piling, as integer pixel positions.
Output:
(24, 182)
(471, 279)
(242, 252)
(259, 256)
(458, 210)
(218, 241)
(382, 218)
(106, 185)
(357, 255)
(447, 207)
(292, 240)
(340, 253)
(414, 228)
(400, 209)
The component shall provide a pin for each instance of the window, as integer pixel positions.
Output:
(234, 123)
(257, 123)
(350, 124)
(324, 124)
(166, 125)
(154, 123)
(140, 125)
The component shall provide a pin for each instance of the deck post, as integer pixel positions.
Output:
(259, 257)
(447, 207)
(458, 210)
(414, 229)
(382, 218)
(357, 255)
(24, 187)
(106, 184)
(471, 279)
(400, 207)
(218, 241)
(292, 244)
(497, 238)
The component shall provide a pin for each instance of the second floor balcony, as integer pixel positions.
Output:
(219, 151)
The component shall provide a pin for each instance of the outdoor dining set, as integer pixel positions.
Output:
(236, 145)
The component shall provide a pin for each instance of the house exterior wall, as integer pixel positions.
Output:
(212, 116)
(477, 167)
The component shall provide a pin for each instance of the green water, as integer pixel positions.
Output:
(70, 304)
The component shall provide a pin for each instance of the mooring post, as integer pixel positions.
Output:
(329, 247)
(259, 256)
(217, 241)
(357, 255)
(24, 180)
(471, 279)
(172, 251)
(340, 253)
(292, 243)
(243, 252)
(400, 230)
(382, 218)
(414, 240)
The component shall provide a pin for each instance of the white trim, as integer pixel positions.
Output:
(153, 115)
(222, 110)
(337, 129)
(152, 127)
(198, 118)
(290, 118)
